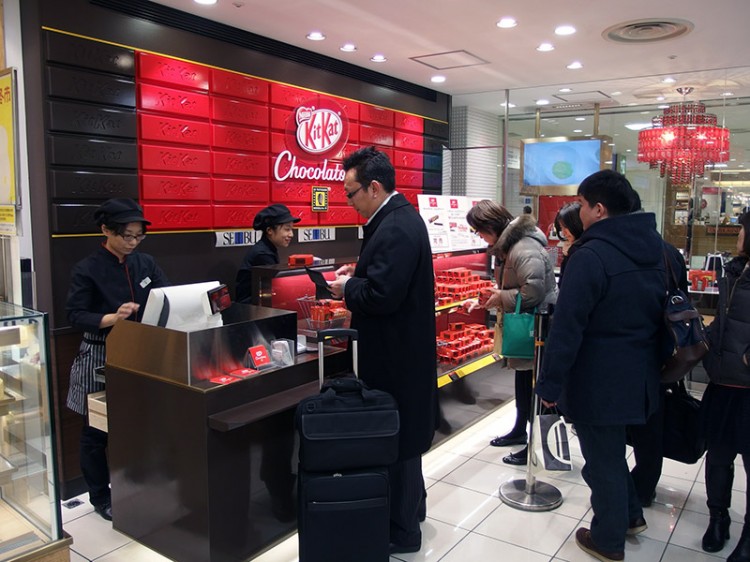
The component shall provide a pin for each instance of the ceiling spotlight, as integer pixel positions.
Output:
(727, 93)
(577, 130)
(668, 80)
(542, 102)
(664, 106)
(348, 47)
(575, 65)
(565, 30)
(510, 105)
(565, 90)
(580, 119)
(437, 79)
(660, 98)
(315, 36)
(545, 47)
(378, 58)
(618, 93)
(506, 22)
(206, 2)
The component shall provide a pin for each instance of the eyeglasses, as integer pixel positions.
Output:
(132, 237)
(350, 194)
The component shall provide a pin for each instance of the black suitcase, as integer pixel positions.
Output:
(344, 516)
(348, 425)
(348, 436)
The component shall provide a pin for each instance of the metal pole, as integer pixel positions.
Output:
(530, 494)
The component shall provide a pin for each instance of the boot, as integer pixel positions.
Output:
(718, 531)
(741, 552)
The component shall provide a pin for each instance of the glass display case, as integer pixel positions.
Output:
(29, 503)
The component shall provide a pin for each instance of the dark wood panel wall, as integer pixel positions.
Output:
(96, 99)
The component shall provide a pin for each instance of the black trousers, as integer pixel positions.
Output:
(94, 465)
(613, 497)
(524, 389)
(720, 476)
(407, 501)
(648, 447)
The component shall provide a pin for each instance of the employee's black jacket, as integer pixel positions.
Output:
(99, 284)
(263, 252)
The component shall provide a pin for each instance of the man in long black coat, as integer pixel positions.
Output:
(390, 293)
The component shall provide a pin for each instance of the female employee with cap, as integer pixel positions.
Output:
(276, 223)
(111, 284)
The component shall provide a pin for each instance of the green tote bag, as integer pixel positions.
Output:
(518, 333)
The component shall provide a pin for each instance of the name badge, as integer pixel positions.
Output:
(146, 282)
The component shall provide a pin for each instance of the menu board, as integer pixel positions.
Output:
(445, 217)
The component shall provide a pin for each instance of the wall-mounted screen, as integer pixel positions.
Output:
(561, 163)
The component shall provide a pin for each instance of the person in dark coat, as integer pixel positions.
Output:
(603, 353)
(569, 229)
(276, 222)
(111, 284)
(391, 296)
(726, 402)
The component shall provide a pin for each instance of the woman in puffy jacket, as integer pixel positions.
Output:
(726, 402)
(522, 266)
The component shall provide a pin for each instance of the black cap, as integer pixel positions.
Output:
(119, 211)
(273, 215)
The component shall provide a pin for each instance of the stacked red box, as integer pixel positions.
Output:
(325, 310)
(458, 284)
(463, 342)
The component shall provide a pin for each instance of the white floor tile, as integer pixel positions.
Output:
(437, 467)
(133, 552)
(482, 477)
(71, 513)
(673, 491)
(479, 547)
(94, 537)
(681, 470)
(542, 532)
(287, 551)
(661, 520)
(75, 557)
(689, 532)
(437, 539)
(675, 553)
(458, 506)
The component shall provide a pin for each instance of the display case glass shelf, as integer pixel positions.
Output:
(29, 502)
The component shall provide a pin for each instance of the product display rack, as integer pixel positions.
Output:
(30, 521)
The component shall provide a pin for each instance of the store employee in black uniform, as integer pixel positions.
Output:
(276, 222)
(111, 284)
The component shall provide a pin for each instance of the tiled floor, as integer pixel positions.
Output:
(467, 520)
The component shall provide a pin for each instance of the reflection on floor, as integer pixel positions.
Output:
(467, 521)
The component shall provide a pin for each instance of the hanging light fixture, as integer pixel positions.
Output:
(683, 140)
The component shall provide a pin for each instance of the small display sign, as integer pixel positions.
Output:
(320, 198)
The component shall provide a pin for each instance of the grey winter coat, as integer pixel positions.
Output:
(523, 265)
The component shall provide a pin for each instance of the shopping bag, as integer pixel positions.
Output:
(551, 446)
(683, 438)
(518, 333)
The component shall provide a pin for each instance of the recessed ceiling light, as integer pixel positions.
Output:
(510, 105)
(660, 98)
(577, 130)
(633, 103)
(580, 119)
(542, 102)
(575, 65)
(348, 47)
(668, 80)
(545, 47)
(637, 126)
(727, 93)
(628, 150)
(663, 106)
(565, 30)
(618, 93)
(206, 2)
(378, 58)
(565, 90)
(315, 36)
(437, 79)
(506, 22)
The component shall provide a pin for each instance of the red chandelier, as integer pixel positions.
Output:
(682, 141)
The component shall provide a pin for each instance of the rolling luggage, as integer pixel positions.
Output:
(348, 437)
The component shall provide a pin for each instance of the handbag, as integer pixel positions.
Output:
(683, 439)
(551, 443)
(518, 333)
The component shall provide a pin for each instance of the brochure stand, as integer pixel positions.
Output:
(530, 494)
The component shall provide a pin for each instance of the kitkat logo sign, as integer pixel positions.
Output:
(454, 203)
(318, 130)
(315, 131)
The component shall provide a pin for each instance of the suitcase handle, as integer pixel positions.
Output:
(324, 335)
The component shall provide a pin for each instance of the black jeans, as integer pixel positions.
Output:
(94, 465)
(648, 447)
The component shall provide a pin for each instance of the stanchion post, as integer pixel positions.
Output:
(530, 494)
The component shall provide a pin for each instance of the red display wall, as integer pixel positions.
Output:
(216, 146)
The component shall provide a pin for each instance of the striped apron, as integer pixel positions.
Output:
(91, 355)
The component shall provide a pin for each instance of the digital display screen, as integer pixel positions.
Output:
(566, 162)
